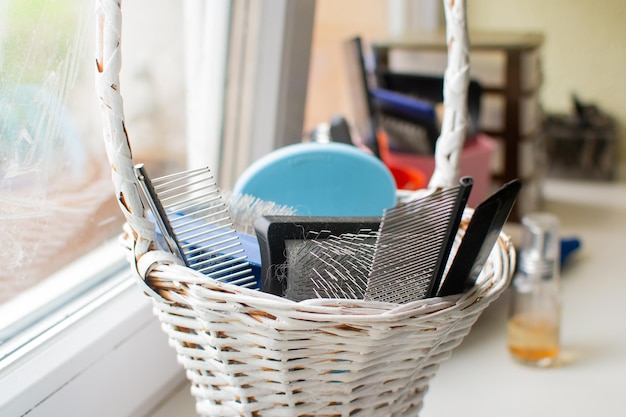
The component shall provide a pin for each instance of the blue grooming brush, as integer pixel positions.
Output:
(321, 179)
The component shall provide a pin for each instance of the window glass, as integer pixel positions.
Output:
(52, 177)
(56, 195)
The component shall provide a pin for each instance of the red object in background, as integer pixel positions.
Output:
(407, 177)
(475, 162)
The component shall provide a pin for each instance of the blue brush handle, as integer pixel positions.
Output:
(568, 247)
(249, 244)
(412, 107)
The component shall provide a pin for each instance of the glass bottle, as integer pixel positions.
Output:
(535, 310)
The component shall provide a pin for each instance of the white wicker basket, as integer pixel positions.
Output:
(248, 353)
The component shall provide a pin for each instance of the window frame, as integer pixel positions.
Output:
(101, 362)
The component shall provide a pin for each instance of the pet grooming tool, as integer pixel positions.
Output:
(333, 267)
(465, 186)
(245, 209)
(412, 244)
(430, 89)
(249, 243)
(281, 237)
(365, 118)
(340, 130)
(406, 136)
(480, 237)
(195, 223)
(321, 179)
(411, 123)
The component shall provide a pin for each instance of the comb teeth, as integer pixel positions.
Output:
(410, 136)
(410, 240)
(196, 224)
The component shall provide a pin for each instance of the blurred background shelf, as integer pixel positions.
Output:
(507, 65)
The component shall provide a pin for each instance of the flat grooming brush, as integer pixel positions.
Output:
(282, 237)
(412, 244)
(195, 224)
(480, 237)
(333, 267)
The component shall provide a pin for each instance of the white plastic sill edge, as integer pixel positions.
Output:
(115, 361)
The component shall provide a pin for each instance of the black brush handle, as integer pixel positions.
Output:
(465, 186)
(340, 130)
(480, 237)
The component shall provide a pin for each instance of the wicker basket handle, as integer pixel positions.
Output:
(108, 64)
(456, 81)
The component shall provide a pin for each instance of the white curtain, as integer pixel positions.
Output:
(247, 66)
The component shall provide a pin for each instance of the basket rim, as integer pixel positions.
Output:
(160, 266)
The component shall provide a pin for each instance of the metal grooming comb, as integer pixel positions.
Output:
(412, 244)
(196, 225)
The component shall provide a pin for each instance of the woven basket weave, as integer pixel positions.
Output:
(248, 353)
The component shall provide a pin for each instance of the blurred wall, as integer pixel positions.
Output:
(583, 50)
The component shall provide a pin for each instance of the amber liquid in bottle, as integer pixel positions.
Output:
(533, 340)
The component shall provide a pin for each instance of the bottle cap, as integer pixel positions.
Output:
(540, 242)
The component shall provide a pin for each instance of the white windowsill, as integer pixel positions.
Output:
(113, 361)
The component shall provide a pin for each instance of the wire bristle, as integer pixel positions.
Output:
(332, 267)
(245, 209)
